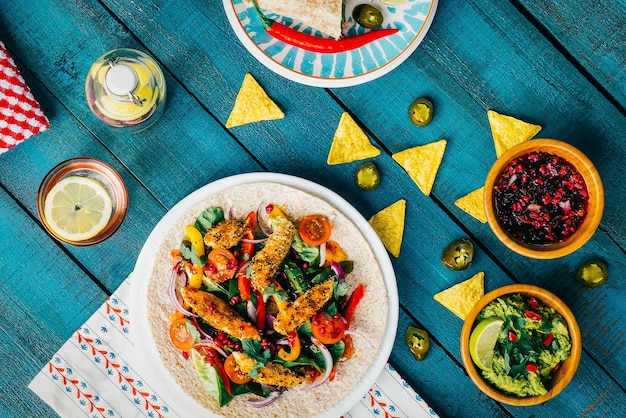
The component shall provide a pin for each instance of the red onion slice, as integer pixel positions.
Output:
(358, 334)
(261, 219)
(251, 309)
(340, 273)
(211, 344)
(328, 358)
(265, 401)
(171, 291)
(254, 241)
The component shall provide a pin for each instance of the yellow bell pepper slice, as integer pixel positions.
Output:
(197, 275)
(295, 349)
(197, 241)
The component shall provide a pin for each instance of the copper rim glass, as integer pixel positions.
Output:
(96, 170)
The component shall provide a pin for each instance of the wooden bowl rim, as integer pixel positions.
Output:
(568, 369)
(595, 207)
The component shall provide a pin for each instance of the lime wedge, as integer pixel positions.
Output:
(77, 208)
(483, 340)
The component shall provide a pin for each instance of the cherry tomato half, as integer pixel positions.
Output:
(230, 367)
(314, 229)
(221, 265)
(180, 336)
(329, 330)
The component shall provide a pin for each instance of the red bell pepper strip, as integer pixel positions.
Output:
(247, 248)
(214, 360)
(354, 300)
(315, 44)
(243, 283)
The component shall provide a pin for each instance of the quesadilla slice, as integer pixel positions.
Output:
(324, 15)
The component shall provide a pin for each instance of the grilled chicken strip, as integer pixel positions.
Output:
(226, 234)
(305, 306)
(219, 314)
(273, 374)
(266, 262)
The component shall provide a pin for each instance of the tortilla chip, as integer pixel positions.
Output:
(252, 105)
(461, 298)
(473, 203)
(350, 143)
(422, 163)
(389, 225)
(508, 131)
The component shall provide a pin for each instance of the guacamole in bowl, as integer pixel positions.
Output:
(521, 345)
(532, 343)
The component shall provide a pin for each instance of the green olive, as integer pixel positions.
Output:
(418, 342)
(367, 16)
(458, 255)
(367, 177)
(592, 274)
(421, 111)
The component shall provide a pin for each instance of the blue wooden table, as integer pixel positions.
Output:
(557, 63)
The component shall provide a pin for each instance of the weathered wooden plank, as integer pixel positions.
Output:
(23, 168)
(42, 301)
(186, 147)
(593, 33)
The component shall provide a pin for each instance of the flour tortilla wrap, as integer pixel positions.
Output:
(370, 318)
(323, 15)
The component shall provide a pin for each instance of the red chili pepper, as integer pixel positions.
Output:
(547, 339)
(533, 303)
(315, 44)
(512, 336)
(531, 367)
(354, 300)
(532, 315)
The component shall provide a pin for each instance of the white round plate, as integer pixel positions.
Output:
(143, 272)
(343, 69)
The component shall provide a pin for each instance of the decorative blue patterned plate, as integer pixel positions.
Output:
(342, 69)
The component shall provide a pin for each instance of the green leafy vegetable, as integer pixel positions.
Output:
(281, 295)
(208, 219)
(211, 379)
(252, 348)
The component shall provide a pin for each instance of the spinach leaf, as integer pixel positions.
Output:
(208, 219)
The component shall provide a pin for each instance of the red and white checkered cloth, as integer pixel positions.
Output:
(20, 114)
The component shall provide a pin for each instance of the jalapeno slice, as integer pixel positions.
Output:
(417, 341)
(367, 177)
(421, 111)
(592, 274)
(458, 255)
(367, 16)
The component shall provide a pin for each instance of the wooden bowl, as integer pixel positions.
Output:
(561, 378)
(594, 209)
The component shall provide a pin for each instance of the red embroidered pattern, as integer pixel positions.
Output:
(375, 402)
(111, 310)
(74, 382)
(115, 367)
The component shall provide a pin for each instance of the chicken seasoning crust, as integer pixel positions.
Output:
(265, 340)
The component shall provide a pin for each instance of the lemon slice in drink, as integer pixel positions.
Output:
(77, 208)
(483, 340)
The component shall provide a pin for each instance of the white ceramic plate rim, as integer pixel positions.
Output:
(314, 81)
(143, 272)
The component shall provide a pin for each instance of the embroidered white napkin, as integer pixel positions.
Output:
(100, 372)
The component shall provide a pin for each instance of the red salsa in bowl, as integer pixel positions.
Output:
(543, 198)
(540, 198)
